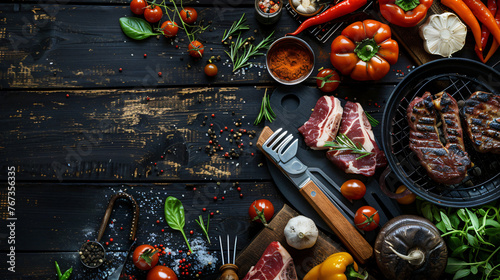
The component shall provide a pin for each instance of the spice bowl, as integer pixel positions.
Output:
(92, 254)
(290, 60)
(306, 12)
(268, 11)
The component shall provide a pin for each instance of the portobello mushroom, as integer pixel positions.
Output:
(410, 247)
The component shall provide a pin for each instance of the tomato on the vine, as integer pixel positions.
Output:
(145, 257)
(138, 6)
(407, 199)
(366, 218)
(261, 210)
(161, 272)
(196, 49)
(327, 80)
(188, 15)
(169, 29)
(153, 14)
(353, 189)
(211, 70)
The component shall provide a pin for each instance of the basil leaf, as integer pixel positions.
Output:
(174, 213)
(455, 221)
(461, 214)
(136, 28)
(446, 220)
(461, 273)
(454, 265)
(407, 5)
(454, 242)
(441, 226)
(492, 222)
(473, 218)
(426, 211)
(472, 240)
(458, 251)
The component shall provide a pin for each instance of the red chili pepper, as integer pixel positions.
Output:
(495, 44)
(485, 32)
(484, 15)
(341, 9)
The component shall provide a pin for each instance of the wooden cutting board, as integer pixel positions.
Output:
(304, 260)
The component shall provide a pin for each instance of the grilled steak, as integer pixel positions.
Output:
(356, 126)
(323, 124)
(482, 118)
(446, 164)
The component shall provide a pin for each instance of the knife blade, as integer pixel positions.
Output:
(118, 271)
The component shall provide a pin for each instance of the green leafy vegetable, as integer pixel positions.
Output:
(65, 275)
(202, 225)
(472, 236)
(344, 143)
(265, 110)
(136, 28)
(175, 217)
(237, 26)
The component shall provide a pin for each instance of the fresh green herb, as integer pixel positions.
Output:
(174, 214)
(65, 275)
(241, 50)
(372, 120)
(237, 26)
(472, 236)
(265, 110)
(202, 225)
(344, 143)
(136, 28)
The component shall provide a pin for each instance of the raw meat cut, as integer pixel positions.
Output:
(482, 118)
(323, 124)
(355, 126)
(446, 164)
(276, 263)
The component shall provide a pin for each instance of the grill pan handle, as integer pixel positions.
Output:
(384, 188)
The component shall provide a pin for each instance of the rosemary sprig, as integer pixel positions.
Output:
(203, 228)
(372, 120)
(265, 110)
(344, 143)
(241, 50)
(237, 26)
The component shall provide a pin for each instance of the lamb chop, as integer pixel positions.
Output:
(446, 164)
(482, 118)
(323, 124)
(355, 126)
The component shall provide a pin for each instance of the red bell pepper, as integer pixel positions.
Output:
(405, 13)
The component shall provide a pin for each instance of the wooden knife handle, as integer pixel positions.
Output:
(350, 236)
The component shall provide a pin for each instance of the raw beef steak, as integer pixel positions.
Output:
(323, 124)
(276, 263)
(355, 126)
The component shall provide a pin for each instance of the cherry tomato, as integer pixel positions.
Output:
(145, 257)
(407, 199)
(353, 189)
(196, 49)
(169, 29)
(153, 14)
(327, 80)
(366, 218)
(188, 15)
(138, 6)
(264, 207)
(211, 70)
(161, 272)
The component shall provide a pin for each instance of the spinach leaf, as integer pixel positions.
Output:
(175, 217)
(136, 28)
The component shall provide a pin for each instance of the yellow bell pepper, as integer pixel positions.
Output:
(339, 266)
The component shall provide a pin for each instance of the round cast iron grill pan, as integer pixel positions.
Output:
(460, 78)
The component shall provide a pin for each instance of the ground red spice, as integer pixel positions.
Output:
(290, 62)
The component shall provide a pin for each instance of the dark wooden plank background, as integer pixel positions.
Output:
(78, 130)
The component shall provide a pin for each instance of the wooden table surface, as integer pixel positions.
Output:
(77, 130)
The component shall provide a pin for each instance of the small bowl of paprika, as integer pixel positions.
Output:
(290, 60)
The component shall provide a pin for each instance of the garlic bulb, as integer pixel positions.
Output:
(301, 232)
(443, 34)
(305, 6)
